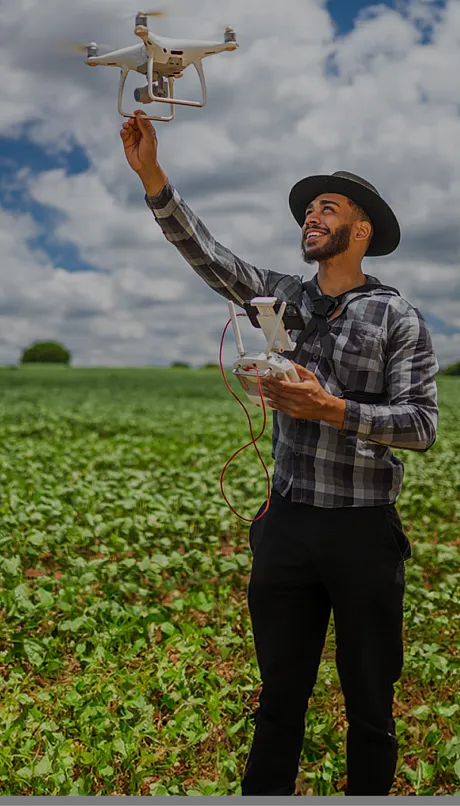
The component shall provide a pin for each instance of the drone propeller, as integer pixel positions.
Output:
(154, 12)
(67, 48)
(74, 47)
(222, 33)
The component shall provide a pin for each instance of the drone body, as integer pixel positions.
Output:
(162, 60)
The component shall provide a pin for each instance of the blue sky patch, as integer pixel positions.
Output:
(20, 153)
(344, 12)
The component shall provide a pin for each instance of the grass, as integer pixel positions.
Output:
(127, 664)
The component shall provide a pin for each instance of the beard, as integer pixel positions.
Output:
(334, 244)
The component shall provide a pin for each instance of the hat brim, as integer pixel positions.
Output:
(387, 233)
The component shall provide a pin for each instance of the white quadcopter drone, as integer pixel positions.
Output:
(162, 60)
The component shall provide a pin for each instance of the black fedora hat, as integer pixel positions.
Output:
(387, 233)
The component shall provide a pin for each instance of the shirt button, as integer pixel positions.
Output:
(296, 453)
(316, 356)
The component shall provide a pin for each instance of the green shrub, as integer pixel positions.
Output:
(453, 369)
(46, 352)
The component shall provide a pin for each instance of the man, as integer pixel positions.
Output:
(331, 537)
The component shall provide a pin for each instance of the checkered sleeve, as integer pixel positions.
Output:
(225, 273)
(410, 419)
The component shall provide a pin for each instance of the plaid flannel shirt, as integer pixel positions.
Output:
(381, 341)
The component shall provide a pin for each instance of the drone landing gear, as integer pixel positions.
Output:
(123, 77)
(169, 99)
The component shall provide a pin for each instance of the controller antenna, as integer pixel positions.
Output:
(236, 328)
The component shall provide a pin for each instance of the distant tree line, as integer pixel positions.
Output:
(185, 365)
(52, 352)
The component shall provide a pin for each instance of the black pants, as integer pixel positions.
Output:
(307, 560)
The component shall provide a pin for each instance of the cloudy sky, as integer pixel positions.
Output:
(315, 87)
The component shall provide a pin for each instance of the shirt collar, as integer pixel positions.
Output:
(369, 279)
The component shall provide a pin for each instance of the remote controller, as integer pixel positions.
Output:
(248, 366)
(245, 371)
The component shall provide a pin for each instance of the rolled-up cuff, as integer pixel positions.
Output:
(164, 202)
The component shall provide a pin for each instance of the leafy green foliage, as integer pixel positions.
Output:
(45, 352)
(127, 662)
(452, 369)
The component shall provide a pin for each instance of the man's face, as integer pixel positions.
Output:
(331, 215)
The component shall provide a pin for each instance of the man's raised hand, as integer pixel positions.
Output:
(140, 142)
(141, 150)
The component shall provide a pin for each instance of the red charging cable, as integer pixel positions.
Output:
(253, 440)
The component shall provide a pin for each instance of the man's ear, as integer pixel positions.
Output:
(363, 231)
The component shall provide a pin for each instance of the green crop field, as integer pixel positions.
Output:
(127, 664)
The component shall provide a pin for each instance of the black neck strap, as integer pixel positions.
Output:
(323, 306)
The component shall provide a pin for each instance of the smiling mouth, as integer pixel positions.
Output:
(314, 238)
